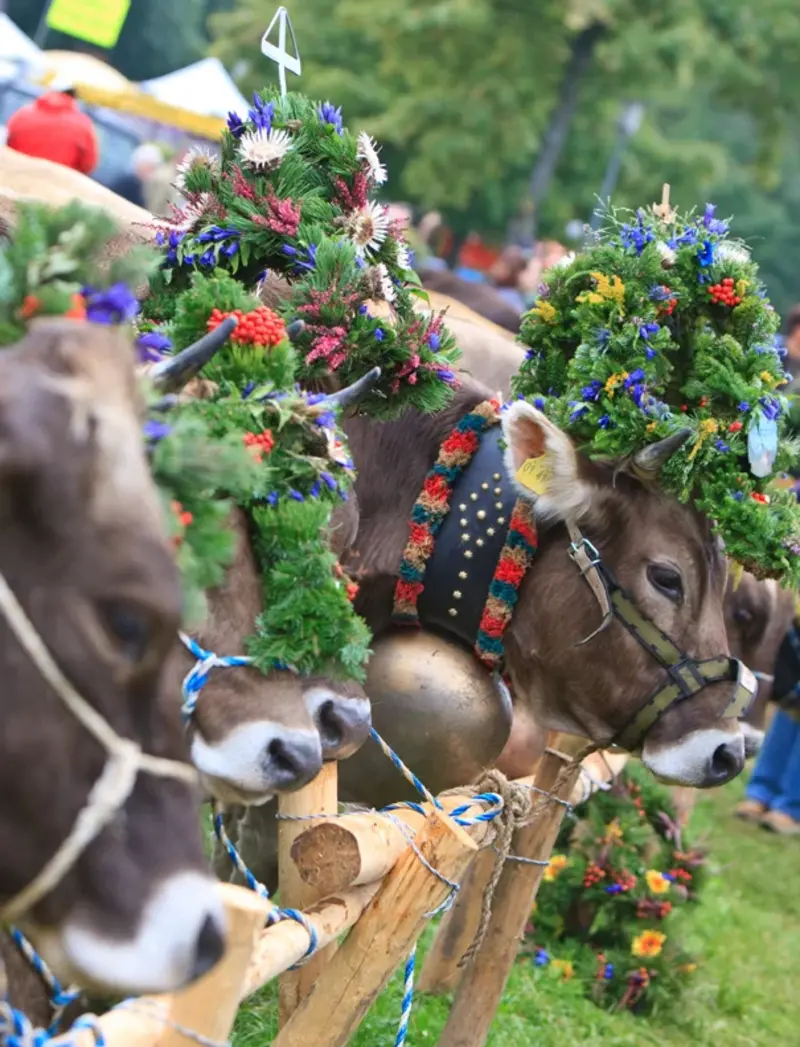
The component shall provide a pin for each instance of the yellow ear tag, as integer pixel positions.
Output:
(536, 473)
(736, 571)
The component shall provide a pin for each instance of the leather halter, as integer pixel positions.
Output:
(460, 568)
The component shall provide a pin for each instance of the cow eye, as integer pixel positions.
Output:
(130, 626)
(667, 580)
(742, 616)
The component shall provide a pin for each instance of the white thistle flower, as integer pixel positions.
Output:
(193, 210)
(667, 254)
(264, 150)
(564, 261)
(387, 287)
(194, 158)
(369, 228)
(731, 252)
(367, 151)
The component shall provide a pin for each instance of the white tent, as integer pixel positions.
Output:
(203, 87)
(17, 51)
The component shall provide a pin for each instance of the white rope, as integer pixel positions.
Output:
(115, 784)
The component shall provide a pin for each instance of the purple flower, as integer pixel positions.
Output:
(434, 341)
(721, 446)
(542, 958)
(329, 114)
(328, 480)
(714, 225)
(645, 330)
(705, 253)
(151, 347)
(296, 495)
(155, 431)
(592, 390)
(235, 125)
(379, 334)
(116, 305)
(446, 376)
(605, 422)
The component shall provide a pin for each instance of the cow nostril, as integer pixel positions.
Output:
(280, 759)
(292, 761)
(330, 725)
(726, 763)
(208, 949)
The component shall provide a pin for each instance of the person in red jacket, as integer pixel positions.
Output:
(53, 128)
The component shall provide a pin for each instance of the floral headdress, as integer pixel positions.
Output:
(291, 194)
(660, 327)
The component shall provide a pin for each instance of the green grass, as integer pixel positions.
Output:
(746, 933)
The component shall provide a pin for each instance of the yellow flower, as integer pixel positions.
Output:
(656, 881)
(741, 287)
(608, 290)
(613, 831)
(704, 430)
(565, 966)
(687, 968)
(769, 379)
(648, 943)
(651, 426)
(545, 311)
(557, 864)
(614, 381)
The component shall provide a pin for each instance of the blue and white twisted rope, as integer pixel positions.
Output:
(197, 677)
(408, 999)
(17, 1031)
(60, 998)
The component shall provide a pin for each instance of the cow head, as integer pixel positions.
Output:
(663, 554)
(84, 550)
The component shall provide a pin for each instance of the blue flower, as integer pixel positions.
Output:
(605, 422)
(155, 431)
(577, 410)
(446, 376)
(328, 480)
(116, 305)
(247, 390)
(272, 497)
(636, 235)
(296, 495)
(363, 310)
(738, 496)
(714, 225)
(541, 958)
(613, 888)
(538, 403)
(229, 250)
(743, 405)
(160, 239)
(235, 125)
(592, 390)
(379, 334)
(645, 330)
(705, 253)
(721, 446)
(314, 398)
(639, 395)
(608, 971)
(288, 249)
(343, 494)
(770, 407)
(314, 492)
(262, 113)
(188, 259)
(330, 114)
(650, 352)
(602, 334)
(532, 354)
(635, 376)
(688, 238)
(327, 419)
(208, 258)
(151, 346)
(660, 293)
(360, 263)
(434, 341)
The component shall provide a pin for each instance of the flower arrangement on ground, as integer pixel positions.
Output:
(662, 324)
(611, 897)
(292, 195)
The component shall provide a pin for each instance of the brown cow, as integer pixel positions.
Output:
(84, 550)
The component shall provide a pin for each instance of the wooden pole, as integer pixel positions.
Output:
(482, 984)
(381, 939)
(318, 797)
(207, 1008)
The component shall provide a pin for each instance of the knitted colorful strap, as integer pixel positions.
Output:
(433, 505)
(515, 559)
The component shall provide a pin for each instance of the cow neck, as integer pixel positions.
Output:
(471, 541)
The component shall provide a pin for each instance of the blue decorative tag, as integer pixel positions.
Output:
(762, 445)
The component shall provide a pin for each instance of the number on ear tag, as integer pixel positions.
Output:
(536, 473)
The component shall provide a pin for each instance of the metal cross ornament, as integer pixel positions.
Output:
(278, 53)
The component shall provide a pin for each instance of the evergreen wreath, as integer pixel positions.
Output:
(291, 194)
(660, 324)
(612, 894)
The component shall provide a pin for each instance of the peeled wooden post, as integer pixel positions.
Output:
(207, 1008)
(381, 939)
(318, 797)
(483, 981)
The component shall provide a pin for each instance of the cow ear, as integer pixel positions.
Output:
(543, 465)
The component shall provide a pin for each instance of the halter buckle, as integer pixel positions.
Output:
(584, 545)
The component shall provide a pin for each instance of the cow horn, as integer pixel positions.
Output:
(355, 392)
(294, 329)
(648, 462)
(171, 375)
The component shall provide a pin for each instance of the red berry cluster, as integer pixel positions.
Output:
(735, 427)
(260, 327)
(668, 305)
(681, 874)
(626, 880)
(594, 874)
(184, 518)
(260, 443)
(647, 909)
(724, 293)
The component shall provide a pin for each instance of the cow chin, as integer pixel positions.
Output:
(179, 937)
(704, 758)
